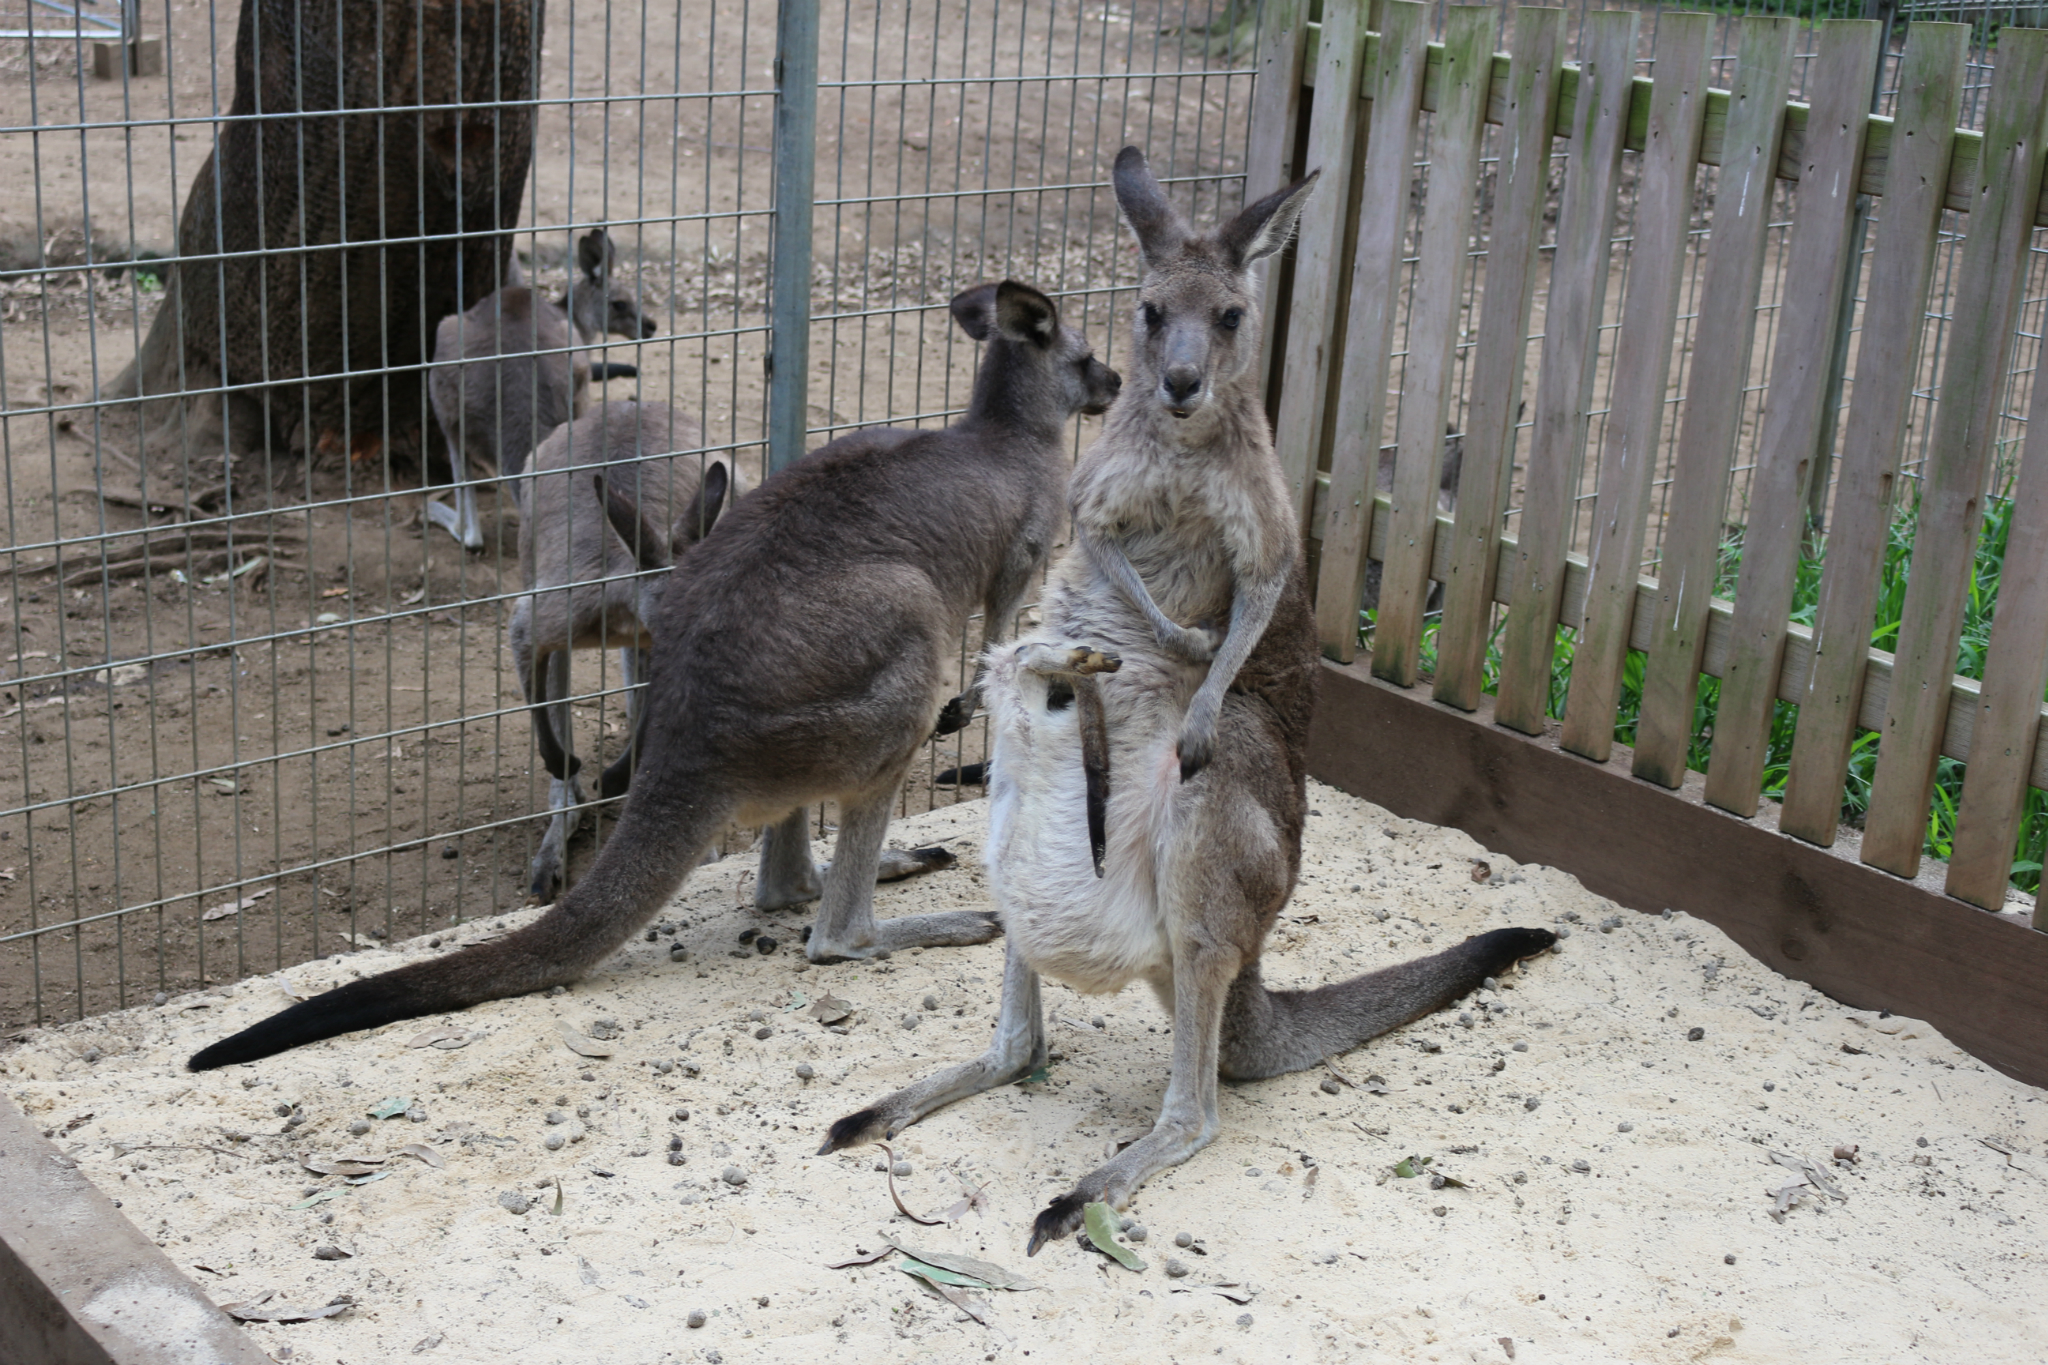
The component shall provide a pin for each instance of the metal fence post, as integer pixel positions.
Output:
(789, 277)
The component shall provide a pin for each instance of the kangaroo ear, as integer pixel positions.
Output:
(595, 253)
(649, 550)
(700, 512)
(1024, 314)
(975, 311)
(1152, 218)
(1264, 227)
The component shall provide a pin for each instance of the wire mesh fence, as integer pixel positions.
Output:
(255, 703)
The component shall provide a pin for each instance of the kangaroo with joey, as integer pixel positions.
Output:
(801, 651)
(606, 511)
(505, 374)
(1181, 522)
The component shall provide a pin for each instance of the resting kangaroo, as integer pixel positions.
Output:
(800, 655)
(1180, 519)
(503, 375)
(588, 519)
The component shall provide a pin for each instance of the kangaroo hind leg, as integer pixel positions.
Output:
(1018, 1049)
(634, 665)
(556, 741)
(846, 926)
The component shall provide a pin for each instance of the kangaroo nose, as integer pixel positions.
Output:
(1183, 382)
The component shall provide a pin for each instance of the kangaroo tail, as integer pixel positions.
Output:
(605, 369)
(656, 844)
(1267, 1032)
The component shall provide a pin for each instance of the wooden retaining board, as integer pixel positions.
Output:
(1865, 937)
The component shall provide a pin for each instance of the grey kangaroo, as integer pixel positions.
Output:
(598, 519)
(1181, 521)
(504, 376)
(801, 652)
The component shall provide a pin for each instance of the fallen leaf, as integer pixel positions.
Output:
(863, 1259)
(287, 987)
(423, 1152)
(334, 592)
(957, 1297)
(337, 1192)
(1230, 1289)
(984, 1274)
(262, 1309)
(976, 1199)
(938, 1274)
(1375, 1084)
(580, 1045)
(1507, 1344)
(558, 1197)
(1308, 1186)
(1481, 870)
(435, 1037)
(226, 908)
(830, 1009)
(896, 1198)
(338, 1165)
(369, 1179)
(1100, 1222)
(390, 1108)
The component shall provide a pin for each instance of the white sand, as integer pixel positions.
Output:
(1936, 1253)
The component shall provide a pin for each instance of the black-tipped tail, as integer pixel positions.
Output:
(851, 1131)
(1060, 1217)
(370, 1003)
(966, 775)
(605, 369)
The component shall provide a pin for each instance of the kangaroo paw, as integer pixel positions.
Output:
(954, 717)
(898, 863)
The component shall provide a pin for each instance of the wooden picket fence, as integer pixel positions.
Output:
(1366, 93)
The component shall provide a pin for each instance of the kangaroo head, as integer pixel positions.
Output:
(1047, 369)
(592, 303)
(651, 549)
(1198, 315)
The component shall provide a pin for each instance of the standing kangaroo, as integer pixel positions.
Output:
(1181, 519)
(589, 552)
(504, 376)
(801, 652)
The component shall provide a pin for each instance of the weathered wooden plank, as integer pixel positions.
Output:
(1642, 370)
(1794, 412)
(1564, 385)
(1394, 80)
(1497, 358)
(1714, 394)
(1270, 144)
(1888, 356)
(2009, 705)
(1314, 311)
(1994, 263)
(1445, 259)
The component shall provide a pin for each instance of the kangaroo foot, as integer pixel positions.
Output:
(1114, 1183)
(953, 717)
(565, 799)
(452, 521)
(899, 863)
(954, 929)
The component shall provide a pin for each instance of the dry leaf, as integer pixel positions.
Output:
(1481, 870)
(439, 1037)
(959, 1298)
(830, 1009)
(988, 1273)
(226, 908)
(262, 1309)
(865, 1258)
(339, 1165)
(581, 1045)
(423, 1152)
(1099, 1221)
(896, 1198)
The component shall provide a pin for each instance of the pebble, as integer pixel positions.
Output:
(1694, 1034)
(765, 945)
(1626, 1128)
(359, 1127)
(1244, 1319)
(553, 1142)
(678, 953)
(558, 990)
(1564, 931)
(283, 1111)
(1176, 1268)
(512, 1201)
(1465, 1020)
(1253, 1171)
(675, 1158)
(329, 1253)
(749, 935)
(1440, 1210)
(557, 1116)
(1531, 1103)
(1137, 1232)
(910, 1021)
(900, 1170)
(681, 1116)
(804, 1071)
(1432, 1045)
(733, 1175)
(1521, 1047)
(664, 1066)
(696, 1318)
(161, 999)
(675, 1143)
(1490, 984)
(450, 851)
(1183, 1239)
(1500, 1064)
(764, 1032)
(930, 1002)
(1582, 1166)
(1729, 1259)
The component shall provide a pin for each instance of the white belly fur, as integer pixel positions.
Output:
(1094, 934)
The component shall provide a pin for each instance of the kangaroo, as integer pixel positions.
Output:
(800, 654)
(1181, 519)
(504, 375)
(589, 553)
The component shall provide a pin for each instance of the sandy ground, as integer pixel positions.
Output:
(1618, 1181)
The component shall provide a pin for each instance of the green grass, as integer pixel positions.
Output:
(1948, 786)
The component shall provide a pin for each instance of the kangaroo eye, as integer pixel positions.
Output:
(1153, 317)
(1231, 317)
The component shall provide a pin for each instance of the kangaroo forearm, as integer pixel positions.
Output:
(1250, 613)
(1109, 558)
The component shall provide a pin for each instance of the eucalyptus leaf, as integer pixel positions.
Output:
(1100, 1221)
(320, 1198)
(986, 1274)
(390, 1108)
(940, 1275)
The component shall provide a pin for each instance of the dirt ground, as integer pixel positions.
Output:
(343, 710)
(1636, 1135)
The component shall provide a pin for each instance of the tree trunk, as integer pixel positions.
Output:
(272, 329)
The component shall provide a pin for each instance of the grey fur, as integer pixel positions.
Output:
(1181, 520)
(504, 375)
(801, 652)
(605, 500)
